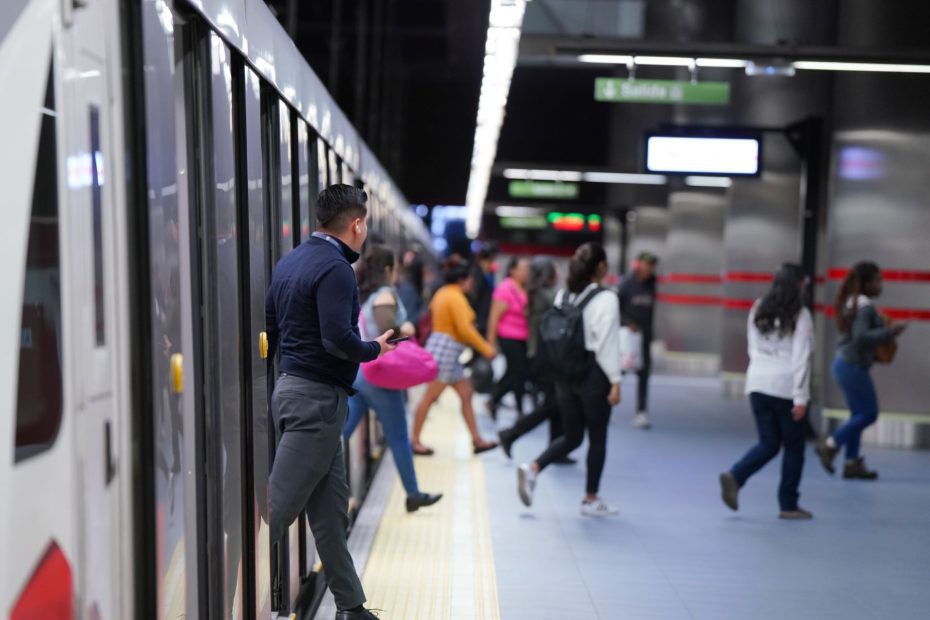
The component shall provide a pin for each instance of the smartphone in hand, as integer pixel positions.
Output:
(398, 339)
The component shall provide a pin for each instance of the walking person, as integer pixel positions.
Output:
(482, 286)
(312, 310)
(780, 335)
(862, 331)
(453, 330)
(508, 331)
(540, 290)
(586, 401)
(637, 312)
(382, 310)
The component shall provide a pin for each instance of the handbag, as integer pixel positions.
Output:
(885, 352)
(631, 349)
(404, 367)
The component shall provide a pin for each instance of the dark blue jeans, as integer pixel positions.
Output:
(777, 428)
(857, 386)
(392, 413)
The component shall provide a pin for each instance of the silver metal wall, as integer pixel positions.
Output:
(694, 247)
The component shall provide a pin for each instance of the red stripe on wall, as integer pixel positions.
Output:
(530, 249)
(738, 304)
(892, 275)
(690, 300)
(747, 276)
(689, 278)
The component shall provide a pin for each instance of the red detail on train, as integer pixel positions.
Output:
(50, 592)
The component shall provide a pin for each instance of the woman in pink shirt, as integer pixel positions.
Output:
(508, 330)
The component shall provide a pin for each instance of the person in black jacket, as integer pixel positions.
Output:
(311, 313)
(483, 287)
(862, 329)
(637, 311)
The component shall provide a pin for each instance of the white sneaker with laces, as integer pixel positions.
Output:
(526, 483)
(598, 508)
(641, 420)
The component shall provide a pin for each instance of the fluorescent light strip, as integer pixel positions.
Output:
(708, 181)
(877, 67)
(606, 59)
(625, 178)
(663, 61)
(542, 175)
(726, 63)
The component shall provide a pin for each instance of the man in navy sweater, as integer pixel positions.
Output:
(311, 313)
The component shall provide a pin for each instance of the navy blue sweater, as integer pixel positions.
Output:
(311, 312)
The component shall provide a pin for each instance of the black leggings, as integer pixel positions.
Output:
(548, 410)
(583, 405)
(514, 380)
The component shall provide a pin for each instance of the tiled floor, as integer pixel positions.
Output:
(676, 552)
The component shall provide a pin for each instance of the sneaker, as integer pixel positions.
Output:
(856, 470)
(526, 483)
(641, 420)
(798, 514)
(729, 490)
(827, 454)
(598, 508)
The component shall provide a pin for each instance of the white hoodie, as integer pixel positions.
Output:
(780, 366)
(602, 329)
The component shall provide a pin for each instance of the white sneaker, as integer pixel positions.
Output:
(526, 483)
(597, 508)
(641, 420)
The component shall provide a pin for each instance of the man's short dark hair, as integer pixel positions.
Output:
(339, 204)
(648, 257)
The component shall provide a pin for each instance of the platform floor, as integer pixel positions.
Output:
(674, 551)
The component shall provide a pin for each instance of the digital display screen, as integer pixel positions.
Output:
(696, 155)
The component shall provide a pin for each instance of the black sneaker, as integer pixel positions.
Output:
(827, 454)
(856, 470)
(423, 499)
(729, 490)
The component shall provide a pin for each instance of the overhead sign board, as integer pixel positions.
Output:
(703, 155)
(543, 189)
(661, 91)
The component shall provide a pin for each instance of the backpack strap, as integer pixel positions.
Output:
(559, 297)
(594, 293)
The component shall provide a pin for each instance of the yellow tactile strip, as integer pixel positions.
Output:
(437, 563)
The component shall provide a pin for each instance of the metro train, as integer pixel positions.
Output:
(159, 157)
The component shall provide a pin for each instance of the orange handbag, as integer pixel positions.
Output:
(885, 352)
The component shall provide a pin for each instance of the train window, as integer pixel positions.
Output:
(334, 176)
(321, 163)
(96, 185)
(39, 393)
(347, 177)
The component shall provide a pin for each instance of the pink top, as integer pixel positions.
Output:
(513, 324)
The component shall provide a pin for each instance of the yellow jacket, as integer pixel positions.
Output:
(453, 315)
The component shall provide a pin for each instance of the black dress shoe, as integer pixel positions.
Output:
(424, 499)
(362, 614)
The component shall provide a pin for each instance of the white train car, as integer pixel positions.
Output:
(159, 157)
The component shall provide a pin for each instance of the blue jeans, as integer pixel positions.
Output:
(857, 386)
(392, 413)
(777, 428)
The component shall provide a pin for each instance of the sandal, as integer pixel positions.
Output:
(484, 446)
(421, 450)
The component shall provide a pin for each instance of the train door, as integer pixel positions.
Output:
(96, 288)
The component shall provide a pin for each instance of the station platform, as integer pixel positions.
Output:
(674, 551)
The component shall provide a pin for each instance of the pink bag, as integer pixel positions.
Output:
(404, 367)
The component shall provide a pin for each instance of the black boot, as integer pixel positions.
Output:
(856, 470)
(827, 454)
(416, 502)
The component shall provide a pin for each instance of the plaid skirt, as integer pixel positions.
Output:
(446, 351)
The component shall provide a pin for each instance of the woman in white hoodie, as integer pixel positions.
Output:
(781, 337)
(586, 403)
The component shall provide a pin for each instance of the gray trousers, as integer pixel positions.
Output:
(309, 474)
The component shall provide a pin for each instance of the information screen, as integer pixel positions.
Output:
(695, 155)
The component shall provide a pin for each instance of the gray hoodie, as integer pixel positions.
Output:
(857, 346)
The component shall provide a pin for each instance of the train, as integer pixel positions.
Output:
(159, 157)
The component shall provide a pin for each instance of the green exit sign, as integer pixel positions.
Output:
(661, 91)
(543, 189)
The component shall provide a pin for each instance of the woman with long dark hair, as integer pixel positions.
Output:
(453, 330)
(508, 330)
(586, 403)
(541, 294)
(381, 307)
(780, 335)
(862, 329)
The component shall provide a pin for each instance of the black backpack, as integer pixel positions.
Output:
(561, 348)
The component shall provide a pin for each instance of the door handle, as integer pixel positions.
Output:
(177, 373)
(263, 345)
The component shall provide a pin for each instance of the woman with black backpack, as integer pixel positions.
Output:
(582, 332)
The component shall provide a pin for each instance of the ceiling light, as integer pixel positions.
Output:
(542, 175)
(826, 65)
(625, 178)
(663, 61)
(708, 181)
(726, 63)
(501, 49)
(606, 59)
(508, 211)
